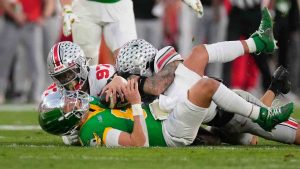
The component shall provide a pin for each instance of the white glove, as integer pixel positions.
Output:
(71, 139)
(69, 19)
(196, 5)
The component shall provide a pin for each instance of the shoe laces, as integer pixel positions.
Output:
(274, 112)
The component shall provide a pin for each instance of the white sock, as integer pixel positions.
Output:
(251, 45)
(231, 102)
(224, 51)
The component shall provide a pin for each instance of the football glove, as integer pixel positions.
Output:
(196, 5)
(72, 138)
(68, 20)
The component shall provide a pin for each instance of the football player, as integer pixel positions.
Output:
(88, 19)
(187, 89)
(263, 38)
(69, 69)
(61, 113)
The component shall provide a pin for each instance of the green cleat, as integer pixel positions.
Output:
(268, 119)
(263, 37)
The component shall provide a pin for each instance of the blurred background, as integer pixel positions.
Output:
(29, 28)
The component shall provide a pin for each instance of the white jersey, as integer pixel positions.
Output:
(97, 77)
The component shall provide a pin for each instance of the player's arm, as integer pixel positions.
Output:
(159, 82)
(139, 135)
(68, 16)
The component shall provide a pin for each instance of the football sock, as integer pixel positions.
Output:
(224, 51)
(259, 44)
(230, 101)
(251, 45)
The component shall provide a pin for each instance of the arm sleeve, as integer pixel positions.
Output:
(111, 137)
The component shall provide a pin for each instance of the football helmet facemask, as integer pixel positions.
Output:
(61, 112)
(67, 65)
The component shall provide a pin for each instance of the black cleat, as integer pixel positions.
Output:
(280, 83)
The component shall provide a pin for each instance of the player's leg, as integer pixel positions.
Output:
(184, 121)
(123, 29)
(32, 37)
(286, 132)
(87, 32)
(182, 124)
(297, 139)
(260, 41)
(10, 37)
(207, 90)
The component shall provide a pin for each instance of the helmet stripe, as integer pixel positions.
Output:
(167, 56)
(56, 58)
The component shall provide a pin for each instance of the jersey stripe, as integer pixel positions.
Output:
(56, 58)
(106, 130)
(166, 56)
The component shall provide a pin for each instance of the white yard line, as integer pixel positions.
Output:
(18, 107)
(19, 127)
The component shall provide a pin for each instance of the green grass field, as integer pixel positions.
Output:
(35, 149)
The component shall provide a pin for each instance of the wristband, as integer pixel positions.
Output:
(137, 110)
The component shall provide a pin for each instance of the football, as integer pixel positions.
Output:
(110, 104)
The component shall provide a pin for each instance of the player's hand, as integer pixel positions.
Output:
(114, 87)
(72, 138)
(68, 20)
(20, 19)
(131, 92)
(196, 5)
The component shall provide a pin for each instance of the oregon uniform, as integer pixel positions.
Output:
(100, 120)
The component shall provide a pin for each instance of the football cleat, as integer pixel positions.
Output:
(196, 5)
(268, 119)
(265, 33)
(280, 83)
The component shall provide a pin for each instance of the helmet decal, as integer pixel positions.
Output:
(67, 63)
(136, 57)
(56, 58)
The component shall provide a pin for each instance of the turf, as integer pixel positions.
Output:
(36, 149)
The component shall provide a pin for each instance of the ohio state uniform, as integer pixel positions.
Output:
(97, 78)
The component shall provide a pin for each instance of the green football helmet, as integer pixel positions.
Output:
(60, 112)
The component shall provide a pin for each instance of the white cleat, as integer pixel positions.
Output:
(196, 5)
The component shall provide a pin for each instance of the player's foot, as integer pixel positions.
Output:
(268, 119)
(196, 5)
(280, 83)
(263, 37)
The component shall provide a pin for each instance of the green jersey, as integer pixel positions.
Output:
(106, 1)
(93, 131)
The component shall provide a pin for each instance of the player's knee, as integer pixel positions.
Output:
(197, 54)
(202, 92)
(208, 86)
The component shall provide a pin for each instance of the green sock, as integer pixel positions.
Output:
(258, 43)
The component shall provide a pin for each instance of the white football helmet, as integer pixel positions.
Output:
(136, 57)
(67, 64)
